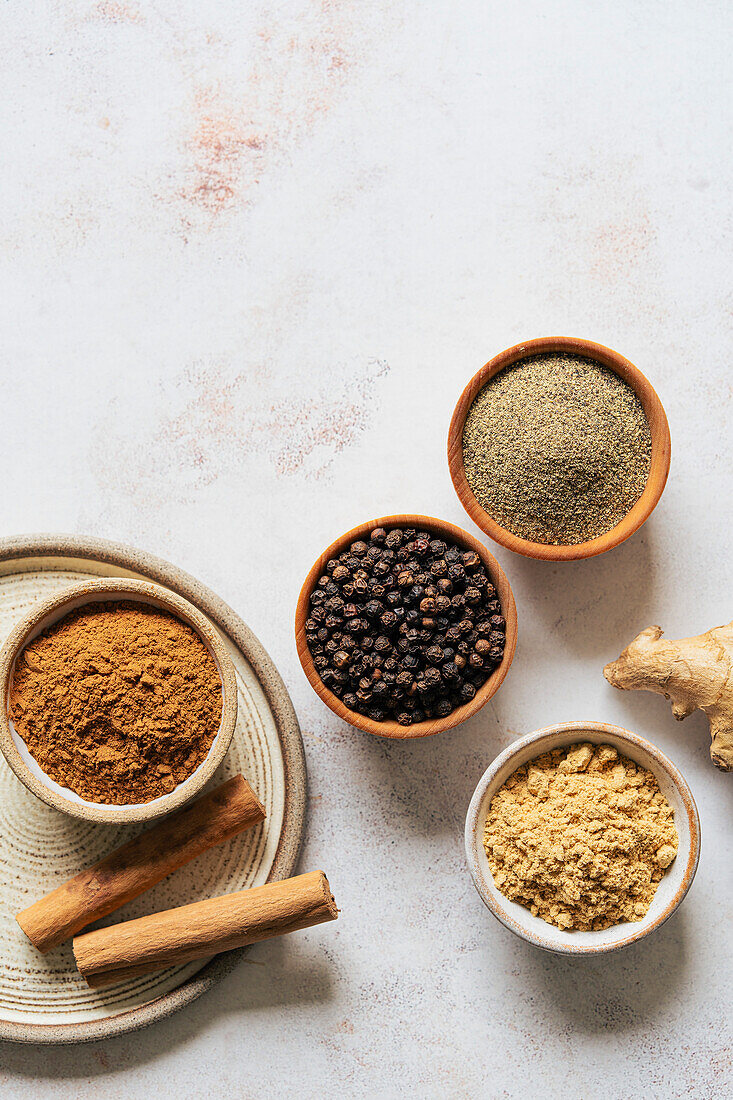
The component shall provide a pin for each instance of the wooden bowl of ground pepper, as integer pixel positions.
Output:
(559, 448)
(406, 626)
(119, 701)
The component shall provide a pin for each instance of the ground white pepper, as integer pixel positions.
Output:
(581, 836)
(557, 449)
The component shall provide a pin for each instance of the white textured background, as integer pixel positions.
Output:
(251, 253)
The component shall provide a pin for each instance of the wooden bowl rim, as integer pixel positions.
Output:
(122, 589)
(390, 728)
(658, 470)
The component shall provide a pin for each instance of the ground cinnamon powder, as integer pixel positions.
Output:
(117, 701)
(581, 836)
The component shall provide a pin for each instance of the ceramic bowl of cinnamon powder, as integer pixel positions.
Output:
(119, 701)
(582, 838)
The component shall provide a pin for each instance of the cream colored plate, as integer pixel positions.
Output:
(42, 998)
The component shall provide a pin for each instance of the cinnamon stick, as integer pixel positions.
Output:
(202, 929)
(139, 864)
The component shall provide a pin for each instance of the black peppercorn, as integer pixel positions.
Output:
(401, 617)
(431, 677)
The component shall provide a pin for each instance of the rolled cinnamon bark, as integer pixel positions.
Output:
(139, 864)
(204, 928)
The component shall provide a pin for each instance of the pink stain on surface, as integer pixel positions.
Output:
(224, 151)
(114, 11)
(619, 246)
(228, 423)
(241, 129)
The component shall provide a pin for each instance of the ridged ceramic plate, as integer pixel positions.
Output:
(42, 998)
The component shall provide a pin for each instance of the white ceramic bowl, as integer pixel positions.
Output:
(671, 890)
(48, 612)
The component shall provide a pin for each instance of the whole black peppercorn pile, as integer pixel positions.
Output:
(405, 626)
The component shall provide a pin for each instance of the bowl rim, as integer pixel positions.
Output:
(390, 728)
(473, 834)
(95, 591)
(658, 470)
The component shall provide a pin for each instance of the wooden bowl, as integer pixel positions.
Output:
(50, 611)
(658, 470)
(673, 886)
(391, 728)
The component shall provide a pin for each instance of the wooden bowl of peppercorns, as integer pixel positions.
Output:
(406, 626)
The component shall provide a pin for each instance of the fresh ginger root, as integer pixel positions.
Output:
(692, 673)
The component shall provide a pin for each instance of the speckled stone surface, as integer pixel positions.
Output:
(249, 260)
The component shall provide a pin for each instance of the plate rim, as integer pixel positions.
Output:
(110, 552)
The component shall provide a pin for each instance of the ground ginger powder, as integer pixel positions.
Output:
(581, 836)
(119, 701)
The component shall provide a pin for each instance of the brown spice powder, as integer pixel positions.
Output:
(119, 702)
(581, 836)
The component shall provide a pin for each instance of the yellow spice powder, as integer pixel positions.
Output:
(581, 836)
